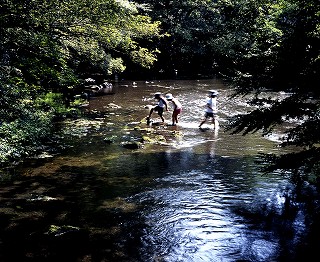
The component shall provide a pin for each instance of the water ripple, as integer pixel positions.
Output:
(192, 219)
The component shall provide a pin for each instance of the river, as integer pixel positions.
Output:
(193, 195)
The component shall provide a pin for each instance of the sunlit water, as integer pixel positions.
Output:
(199, 197)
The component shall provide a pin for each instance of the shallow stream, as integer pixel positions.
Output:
(195, 195)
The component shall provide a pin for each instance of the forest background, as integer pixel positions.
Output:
(49, 47)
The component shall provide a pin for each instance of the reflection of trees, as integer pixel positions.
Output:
(256, 46)
(293, 69)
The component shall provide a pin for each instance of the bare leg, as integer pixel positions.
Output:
(176, 118)
(162, 118)
(151, 111)
(204, 120)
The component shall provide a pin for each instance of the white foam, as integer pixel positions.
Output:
(196, 125)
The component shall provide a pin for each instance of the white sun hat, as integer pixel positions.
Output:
(169, 96)
(213, 92)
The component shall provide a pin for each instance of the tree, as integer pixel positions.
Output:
(259, 47)
(191, 26)
(285, 57)
(49, 45)
(51, 42)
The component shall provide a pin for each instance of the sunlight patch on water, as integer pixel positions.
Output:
(192, 143)
(191, 220)
(204, 211)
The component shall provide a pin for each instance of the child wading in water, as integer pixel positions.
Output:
(177, 108)
(160, 107)
(211, 108)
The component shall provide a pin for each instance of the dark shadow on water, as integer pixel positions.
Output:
(198, 197)
(105, 212)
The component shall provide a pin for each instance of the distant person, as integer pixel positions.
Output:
(177, 108)
(211, 108)
(159, 108)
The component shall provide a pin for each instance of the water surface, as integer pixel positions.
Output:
(198, 197)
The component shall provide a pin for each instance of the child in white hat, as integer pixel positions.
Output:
(177, 108)
(211, 108)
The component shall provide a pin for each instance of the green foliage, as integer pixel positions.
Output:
(144, 57)
(285, 57)
(46, 46)
(22, 125)
(218, 37)
(190, 26)
(52, 42)
(257, 46)
(26, 120)
(55, 104)
(21, 137)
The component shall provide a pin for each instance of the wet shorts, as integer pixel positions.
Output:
(159, 109)
(177, 111)
(207, 114)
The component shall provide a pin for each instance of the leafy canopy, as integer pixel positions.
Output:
(283, 55)
(51, 41)
(49, 45)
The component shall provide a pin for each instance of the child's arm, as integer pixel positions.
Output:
(165, 103)
(174, 104)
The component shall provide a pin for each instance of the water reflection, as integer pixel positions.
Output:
(199, 197)
(193, 214)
